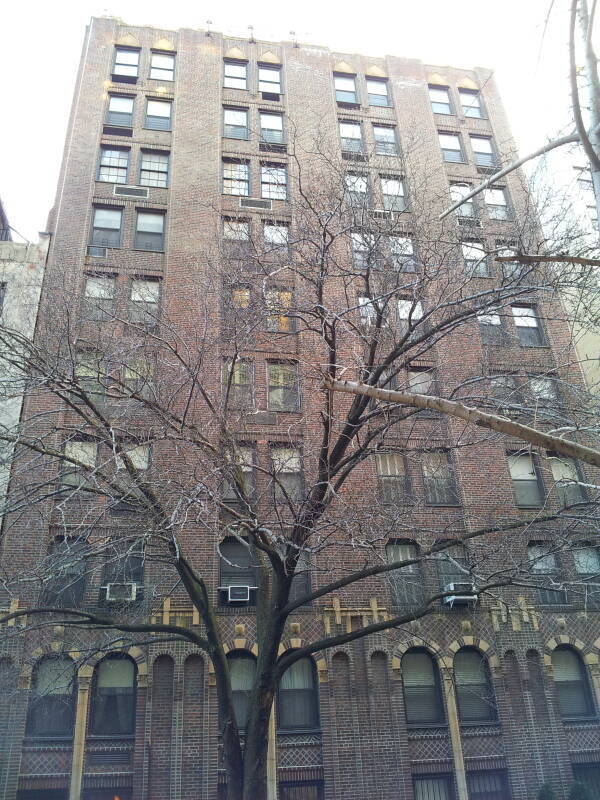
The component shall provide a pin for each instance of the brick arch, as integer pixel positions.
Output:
(228, 647)
(482, 645)
(409, 644)
(134, 652)
(564, 639)
(128, 40)
(51, 649)
(319, 659)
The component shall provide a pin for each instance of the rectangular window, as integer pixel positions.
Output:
(144, 301)
(162, 67)
(386, 143)
(236, 75)
(402, 253)
(114, 163)
(567, 480)
(235, 123)
(470, 101)
(525, 479)
(345, 89)
(496, 203)
(278, 302)
(276, 235)
(351, 136)
(407, 586)
(154, 169)
(236, 230)
(236, 178)
(488, 785)
(273, 181)
(357, 187)
(528, 326)
(451, 147)
(269, 79)
(420, 380)
(240, 298)
(367, 310)
(490, 325)
(158, 115)
(237, 384)
(543, 389)
(440, 99)
(430, 788)
(287, 468)
(506, 391)
(106, 227)
(120, 111)
(543, 562)
(377, 92)
(90, 374)
(149, 231)
(362, 249)
(283, 386)
(84, 452)
(138, 377)
(138, 454)
(126, 64)
(271, 127)
(457, 192)
(99, 297)
(244, 460)
(409, 314)
(483, 151)
(511, 270)
(438, 480)
(393, 481)
(392, 190)
(475, 260)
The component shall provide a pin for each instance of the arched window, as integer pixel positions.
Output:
(474, 692)
(297, 697)
(113, 698)
(52, 703)
(406, 582)
(572, 686)
(242, 670)
(421, 682)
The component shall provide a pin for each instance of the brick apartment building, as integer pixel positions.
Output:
(176, 139)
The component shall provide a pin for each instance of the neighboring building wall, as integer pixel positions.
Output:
(5, 233)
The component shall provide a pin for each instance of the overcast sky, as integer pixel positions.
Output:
(41, 44)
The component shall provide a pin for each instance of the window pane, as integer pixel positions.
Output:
(123, 105)
(345, 84)
(350, 130)
(431, 789)
(157, 108)
(233, 117)
(113, 702)
(150, 223)
(145, 291)
(101, 288)
(587, 560)
(377, 87)
(107, 218)
(481, 145)
(127, 56)
(449, 141)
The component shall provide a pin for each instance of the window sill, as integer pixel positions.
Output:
(443, 505)
(578, 720)
(237, 138)
(159, 130)
(444, 113)
(483, 723)
(412, 726)
(112, 736)
(32, 739)
(145, 250)
(298, 731)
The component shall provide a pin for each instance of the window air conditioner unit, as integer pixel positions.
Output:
(463, 594)
(121, 592)
(96, 252)
(380, 213)
(238, 594)
(469, 222)
(130, 191)
(250, 202)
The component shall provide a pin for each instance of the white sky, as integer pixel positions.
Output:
(41, 44)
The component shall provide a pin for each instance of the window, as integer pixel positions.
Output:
(511, 270)
(572, 684)
(236, 177)
(276, 235)
(242, 672)
(158, 115)
(470, 101)
(483, 151)
(496, 203)
(367, 310)
(438, 480)
(138, 377)
(351, 136)
(345, 89)
(269, 79)
(362, 249)
(236, 75)
(402, 253)
(237, 383)
(507, 391)
(587, 774)
(273, 181)
(526, 480)
(244, 476)
(428, 788)
(297, 697)
(162, 67)
(377, 92)
(144, 301)
(106, 227)
(149, 231)
(357, 187)
(66, 570)
(451, 148)
(452, 565)
(114, 162)
(287, 469)
(587, 560)
(84, 452)
(490, 325)
(126, 64)
(154, 169)
(236, 230)
(475, 259)
(420, 380)
(99, 296)
(457, 192)
(474, 693)
(409, 314)
(240, 297)
(90, 375)
(138, 455)
(392, 190)
(386, 143)
(279, 302)
(113, 697)
(120, 111)
(283, 386)
(393, 480)
(406, 582)
(440, 99)
(271, 127)
(295, 790)
(543, 564)
(124, 558)
(568, 480)
(300, 585)
(235, 123)
(528, 326)
(422, 695)
(52, 698)
(488, 785)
